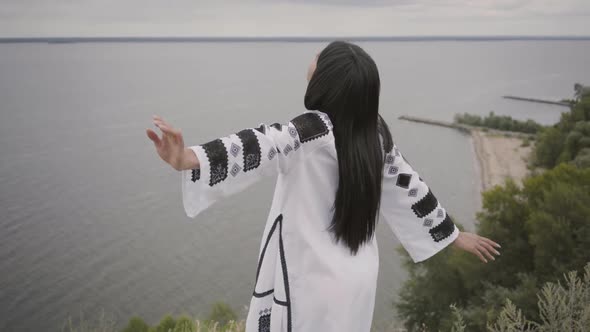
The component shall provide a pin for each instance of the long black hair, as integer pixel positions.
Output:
(346, 85)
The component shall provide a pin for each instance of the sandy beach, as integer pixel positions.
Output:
(499, 157)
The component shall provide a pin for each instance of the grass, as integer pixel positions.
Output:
(563, 306)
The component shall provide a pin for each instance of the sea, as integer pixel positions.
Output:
(92, 222)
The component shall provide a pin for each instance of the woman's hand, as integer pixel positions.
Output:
(171, 146)
(478, 245)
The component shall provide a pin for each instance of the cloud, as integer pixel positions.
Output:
(293, 17)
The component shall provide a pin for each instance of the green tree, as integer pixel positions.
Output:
(544, 231)
(568, 138)
(581, 91)
(549, 147)
(500, 122)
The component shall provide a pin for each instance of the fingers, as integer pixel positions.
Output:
(478, 254)
(166, 128)
(489, 247)
(153, 136)
(479, 246)
(490, 242)
(485, 252)
(159, 120)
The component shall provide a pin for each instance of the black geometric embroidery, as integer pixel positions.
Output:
(426, 205)
(217, 156)
(251, 162)
(327, 119)
(413, 192)
(251, 149)
(264, 323)
(287, 149)
(440, 213)
(277, 126)
(278, 220)
(309, 126)
(261, 129)
(279, 302)
(272, 153)
(442, 230)
(389, 159)
(296, 145)
(428, 222)
(292, 132)
(393, 170)
(234, 149)
(263, 294)
(287, 301)
(196, 174)
(403, 180)
(235, 169)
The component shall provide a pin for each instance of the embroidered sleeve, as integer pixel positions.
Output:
(232, 163)
(412, 210)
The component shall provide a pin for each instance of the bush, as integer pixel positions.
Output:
(136, 324)
(167, 324)
(185, 324)
(560, 308)
(544, 232)
(222, 313)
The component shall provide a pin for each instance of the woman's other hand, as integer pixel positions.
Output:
(170, 146)
(478, 245)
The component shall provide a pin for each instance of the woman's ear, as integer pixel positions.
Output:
(312, 67)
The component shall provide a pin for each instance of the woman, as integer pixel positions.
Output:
(338, 169)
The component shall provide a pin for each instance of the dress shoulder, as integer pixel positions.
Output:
(312, 125)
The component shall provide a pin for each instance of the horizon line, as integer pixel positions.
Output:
(98, 39)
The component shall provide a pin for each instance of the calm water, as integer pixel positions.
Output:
(92, 220)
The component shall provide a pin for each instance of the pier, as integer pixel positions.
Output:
(542, 101)
(465, 128)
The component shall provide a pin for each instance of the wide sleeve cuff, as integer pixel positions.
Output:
(412, 210)
(196, 197)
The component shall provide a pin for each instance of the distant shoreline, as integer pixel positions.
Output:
(499, 154)
(499, 157)
(294, 39)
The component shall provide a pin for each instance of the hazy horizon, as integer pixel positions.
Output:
(294, 38)
(306, 18)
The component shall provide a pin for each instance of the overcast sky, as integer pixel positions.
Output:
(33, 18)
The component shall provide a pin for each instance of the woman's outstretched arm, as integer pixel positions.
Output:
(418, 219)
(229, 164)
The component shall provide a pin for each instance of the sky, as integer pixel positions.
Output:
(253, 18)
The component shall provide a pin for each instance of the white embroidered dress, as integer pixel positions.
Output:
(305, 281)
